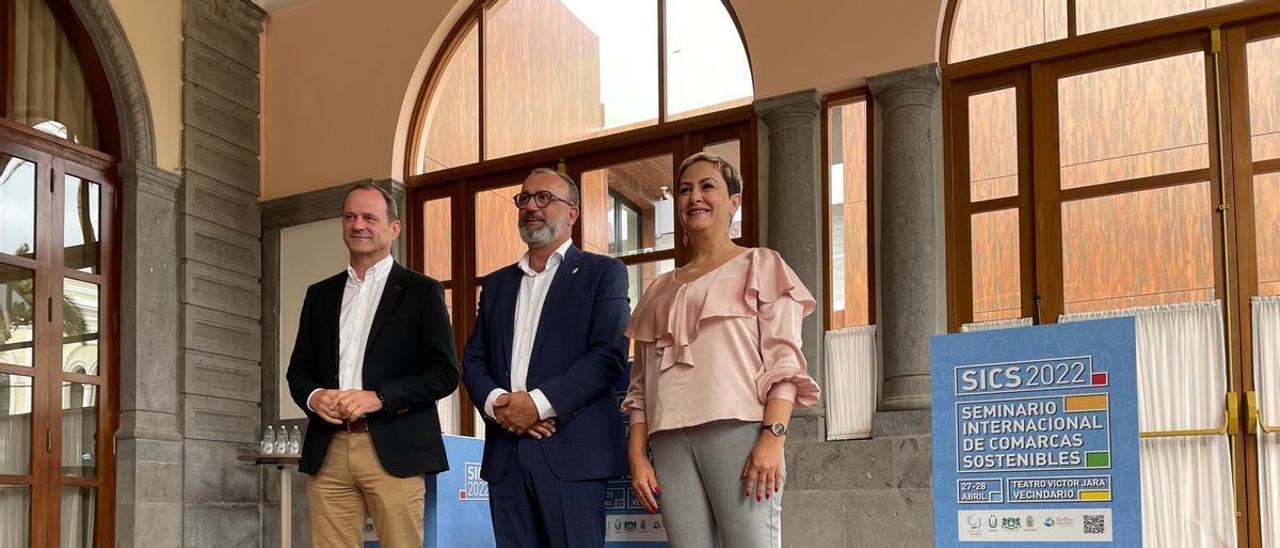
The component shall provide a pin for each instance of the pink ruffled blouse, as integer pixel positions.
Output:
(720, 346)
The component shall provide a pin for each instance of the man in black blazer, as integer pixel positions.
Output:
(373, 355)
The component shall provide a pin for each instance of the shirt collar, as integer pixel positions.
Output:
(556, 258)
(376, 273)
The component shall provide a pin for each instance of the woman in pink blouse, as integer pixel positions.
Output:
(718, 370)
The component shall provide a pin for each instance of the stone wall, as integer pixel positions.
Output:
(219, 288)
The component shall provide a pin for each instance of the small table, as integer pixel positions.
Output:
(281, 462)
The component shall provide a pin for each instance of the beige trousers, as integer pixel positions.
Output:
(351, 481)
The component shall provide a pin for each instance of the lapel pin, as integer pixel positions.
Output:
(575, 270)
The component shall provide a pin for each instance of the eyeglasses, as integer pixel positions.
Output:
(542, 198)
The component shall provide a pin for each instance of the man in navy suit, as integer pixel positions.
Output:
(547, 349)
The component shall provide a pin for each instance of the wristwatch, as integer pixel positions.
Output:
(777, 429)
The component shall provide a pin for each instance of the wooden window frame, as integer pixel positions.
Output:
(474, 15)
(1230, 173)
(837, 99)
(55, 158)
(680, 138)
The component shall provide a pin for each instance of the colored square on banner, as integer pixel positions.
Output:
(1097, 459)
(1091, 402)
(1035, 437)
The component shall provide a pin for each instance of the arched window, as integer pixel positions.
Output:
(59, 264)
(615, 94)
(1109, 155)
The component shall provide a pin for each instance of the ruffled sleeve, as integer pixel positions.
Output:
(647, 321)
(782, 302)
(633, 406)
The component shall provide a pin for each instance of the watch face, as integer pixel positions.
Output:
(778, 428)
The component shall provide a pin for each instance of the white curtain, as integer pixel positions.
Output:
(15, 454)
(79, 504)
(995, 324)
(853, 382)
(14, 521)
(1187, 498)
(450, 414)
(1266, 379)
(479, 422)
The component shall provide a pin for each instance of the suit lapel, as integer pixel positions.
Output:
(392, 294)
(507, 289)
(333, 315)
(560, 285)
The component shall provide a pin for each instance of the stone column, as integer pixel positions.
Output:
(794, 200)
(907, 222)
(219, 286)
(149, 440)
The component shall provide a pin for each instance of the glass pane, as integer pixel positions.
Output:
(80, 306)
(16, 394)
(18, 201)
(640, 194)
(993, 145)
(997, 282)
(1138, 249)
(985, 27)
(79, 510)
(49, 91)
(639, 276)
(558, 71)
(1264, 88)
(1133, 121)
(847, 172)
(1266, 204)
(498, 242)
(17, 292)
(79, 429)
(437, 239)
(81, 225)
(731, 151)
(450, 134)
(1096, 15)
(15, 517)
(707, 67)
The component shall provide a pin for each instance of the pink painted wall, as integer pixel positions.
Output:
(341, 77)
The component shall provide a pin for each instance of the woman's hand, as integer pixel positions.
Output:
(645, 482)
(762, 475)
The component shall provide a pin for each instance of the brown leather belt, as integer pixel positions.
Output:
(358, 426)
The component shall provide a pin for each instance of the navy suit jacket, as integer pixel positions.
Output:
(579, 353)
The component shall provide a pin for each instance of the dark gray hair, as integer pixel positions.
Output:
(730, 174)
(393, 211)
(573, 196)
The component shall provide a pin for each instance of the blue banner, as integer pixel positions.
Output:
(456, 510)
(1035, 436)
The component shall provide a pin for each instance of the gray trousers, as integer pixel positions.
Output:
(703, 501)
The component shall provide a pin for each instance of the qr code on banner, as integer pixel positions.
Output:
(1095, 524)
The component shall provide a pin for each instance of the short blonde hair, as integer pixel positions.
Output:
(730, 174)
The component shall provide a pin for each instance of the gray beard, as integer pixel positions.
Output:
(538, 237)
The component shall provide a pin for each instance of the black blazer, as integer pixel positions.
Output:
(409, 357)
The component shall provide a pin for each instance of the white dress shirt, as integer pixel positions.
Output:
(360, 300)
(533, 294)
